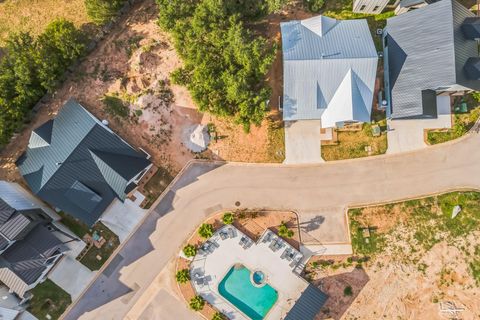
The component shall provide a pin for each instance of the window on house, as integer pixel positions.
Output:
(362, 7)
(376, 8)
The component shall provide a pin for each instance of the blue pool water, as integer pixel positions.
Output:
(258, 277)
(237, 288)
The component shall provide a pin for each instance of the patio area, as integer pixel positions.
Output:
(274, 257)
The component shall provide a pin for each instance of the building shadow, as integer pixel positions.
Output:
(342, 289)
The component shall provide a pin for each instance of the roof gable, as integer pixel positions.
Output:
(319, 25)
(81, 149)
(317, 54)
(347, 104)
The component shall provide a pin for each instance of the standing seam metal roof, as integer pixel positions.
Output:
(426, 51)
(315, 65)
(51, 171)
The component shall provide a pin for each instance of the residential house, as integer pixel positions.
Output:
(29, 246)
(430, 54)
(408, 5)
(329, 69)
(78, 165)
(369, 6)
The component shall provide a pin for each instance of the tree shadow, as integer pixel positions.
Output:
(342, 290)
(312, 224)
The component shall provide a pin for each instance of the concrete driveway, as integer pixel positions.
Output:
(204, 188)
(409, 135)
(302, 142)
(122, 217)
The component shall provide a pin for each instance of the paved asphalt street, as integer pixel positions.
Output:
(205, 188)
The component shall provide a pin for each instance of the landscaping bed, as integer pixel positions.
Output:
(155, 186)
(95, 257)
(409, 258)
(356, 144)
(461, 124)
(48, 299)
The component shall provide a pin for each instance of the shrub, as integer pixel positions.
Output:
(348, 291)
(228, 218)
(189, 250)
(103, 11)
(182, 276)
(206, 230)
(219, 316)
(314, 5)
(283, 231)
(115, 106)
(197, 303)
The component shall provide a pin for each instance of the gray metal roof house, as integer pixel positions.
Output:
(77, 164)
(329, 70)
(29, 247)
(429, 51)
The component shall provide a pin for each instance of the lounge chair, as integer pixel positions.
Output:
(267, 237)
(285, 253)
(232, 232)
(223, 235)
(272, 245)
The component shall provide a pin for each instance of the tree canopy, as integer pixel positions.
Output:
(31, 67)
(103, 11)
(225, 63)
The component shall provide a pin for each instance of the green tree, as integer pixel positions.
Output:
(57, 48)
(197, 303)
(206, 230)
(183, 276)
(228, 218)
(103, 11)
(225, 64)
(190, 250)
(284, 231)
(348, 291)
(314, 5)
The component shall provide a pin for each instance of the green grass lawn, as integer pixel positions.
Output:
(90, 259)
(276, 141)
(427, 220)
(48, 298)
(352, 144)
(75, 225)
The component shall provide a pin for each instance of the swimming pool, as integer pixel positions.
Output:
(237, 288)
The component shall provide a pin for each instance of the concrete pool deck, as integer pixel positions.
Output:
(214, 265)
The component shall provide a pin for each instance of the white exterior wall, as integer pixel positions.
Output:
(369, 6)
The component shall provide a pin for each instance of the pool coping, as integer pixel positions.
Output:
(235, 307)
(213, 289)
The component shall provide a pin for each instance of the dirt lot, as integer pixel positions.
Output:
(131, 63)
(34, 15)
(417, 262)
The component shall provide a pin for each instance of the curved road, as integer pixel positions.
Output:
(204, 188)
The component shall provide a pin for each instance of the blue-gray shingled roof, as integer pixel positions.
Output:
(426, 50)
(81, 151)
(308, 305)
